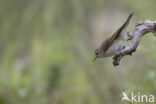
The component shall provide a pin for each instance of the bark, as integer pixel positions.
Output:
(140, 30)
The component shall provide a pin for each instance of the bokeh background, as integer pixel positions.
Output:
(47, 48)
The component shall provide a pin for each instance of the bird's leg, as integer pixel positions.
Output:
(130, 37)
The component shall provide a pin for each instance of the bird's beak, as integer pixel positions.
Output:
(94, 58)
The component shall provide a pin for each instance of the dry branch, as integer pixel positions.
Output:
(140, 30)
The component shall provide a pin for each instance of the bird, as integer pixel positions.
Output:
(125, 97)
(114, 44)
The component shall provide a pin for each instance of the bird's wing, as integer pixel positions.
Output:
(107, 43)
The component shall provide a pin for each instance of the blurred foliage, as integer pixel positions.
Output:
(47, 47)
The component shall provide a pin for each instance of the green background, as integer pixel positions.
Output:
(47, 48)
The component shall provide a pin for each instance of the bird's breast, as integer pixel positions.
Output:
(115, 48)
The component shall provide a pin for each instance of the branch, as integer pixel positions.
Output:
(140, 30)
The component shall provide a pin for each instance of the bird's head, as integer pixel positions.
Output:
(98, 54)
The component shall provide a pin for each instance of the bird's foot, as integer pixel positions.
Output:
(130, 37)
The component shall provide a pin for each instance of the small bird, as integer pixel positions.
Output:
(114, 44)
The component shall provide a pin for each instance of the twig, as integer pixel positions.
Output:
(140, 30)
